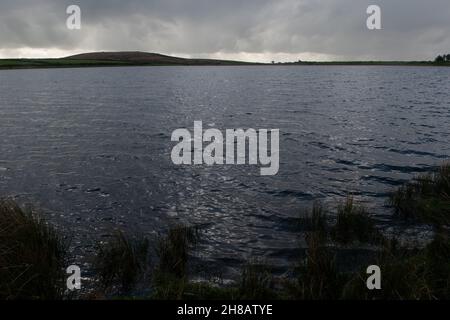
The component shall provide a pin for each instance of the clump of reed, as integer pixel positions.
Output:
(170, 279)
(354, 224)
(122, 263)
(32, 256)
(426, 198)
(407, 274)
(315, 221)
(256, 282)
(317, 277)
(173, 250)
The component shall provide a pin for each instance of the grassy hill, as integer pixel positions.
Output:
(99, 59)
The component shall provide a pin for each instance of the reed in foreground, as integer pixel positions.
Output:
(426, 198)
(122, 263)
(32, 256)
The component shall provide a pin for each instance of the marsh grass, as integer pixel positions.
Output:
(315, 220)
(317, 274)
(32, 256)
(407, 274)
(426, 198)
(256, 282)
(318, 277)
(210, 291)
(122, 263)
(354, 224)
(170, 275)
(173, 250)
(437, 271)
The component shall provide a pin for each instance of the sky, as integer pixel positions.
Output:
(250, 30)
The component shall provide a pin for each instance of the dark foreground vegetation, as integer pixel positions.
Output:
(334, 252)
(32, 256)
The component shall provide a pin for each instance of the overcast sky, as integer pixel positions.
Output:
(259, 30)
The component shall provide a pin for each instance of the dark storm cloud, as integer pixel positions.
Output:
(413, 29)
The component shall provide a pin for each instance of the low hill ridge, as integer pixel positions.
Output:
(138, 57)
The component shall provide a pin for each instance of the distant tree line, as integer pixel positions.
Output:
(442, 58)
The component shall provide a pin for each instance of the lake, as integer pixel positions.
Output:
(90, 148)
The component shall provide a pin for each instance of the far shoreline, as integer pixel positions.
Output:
(146, 59)
(28, 64)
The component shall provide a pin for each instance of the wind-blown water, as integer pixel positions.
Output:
(91, 147)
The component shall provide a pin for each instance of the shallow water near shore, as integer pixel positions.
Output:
(91, 147)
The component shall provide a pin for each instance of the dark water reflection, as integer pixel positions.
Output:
(91, 147)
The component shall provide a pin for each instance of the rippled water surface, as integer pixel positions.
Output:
(91, 147)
